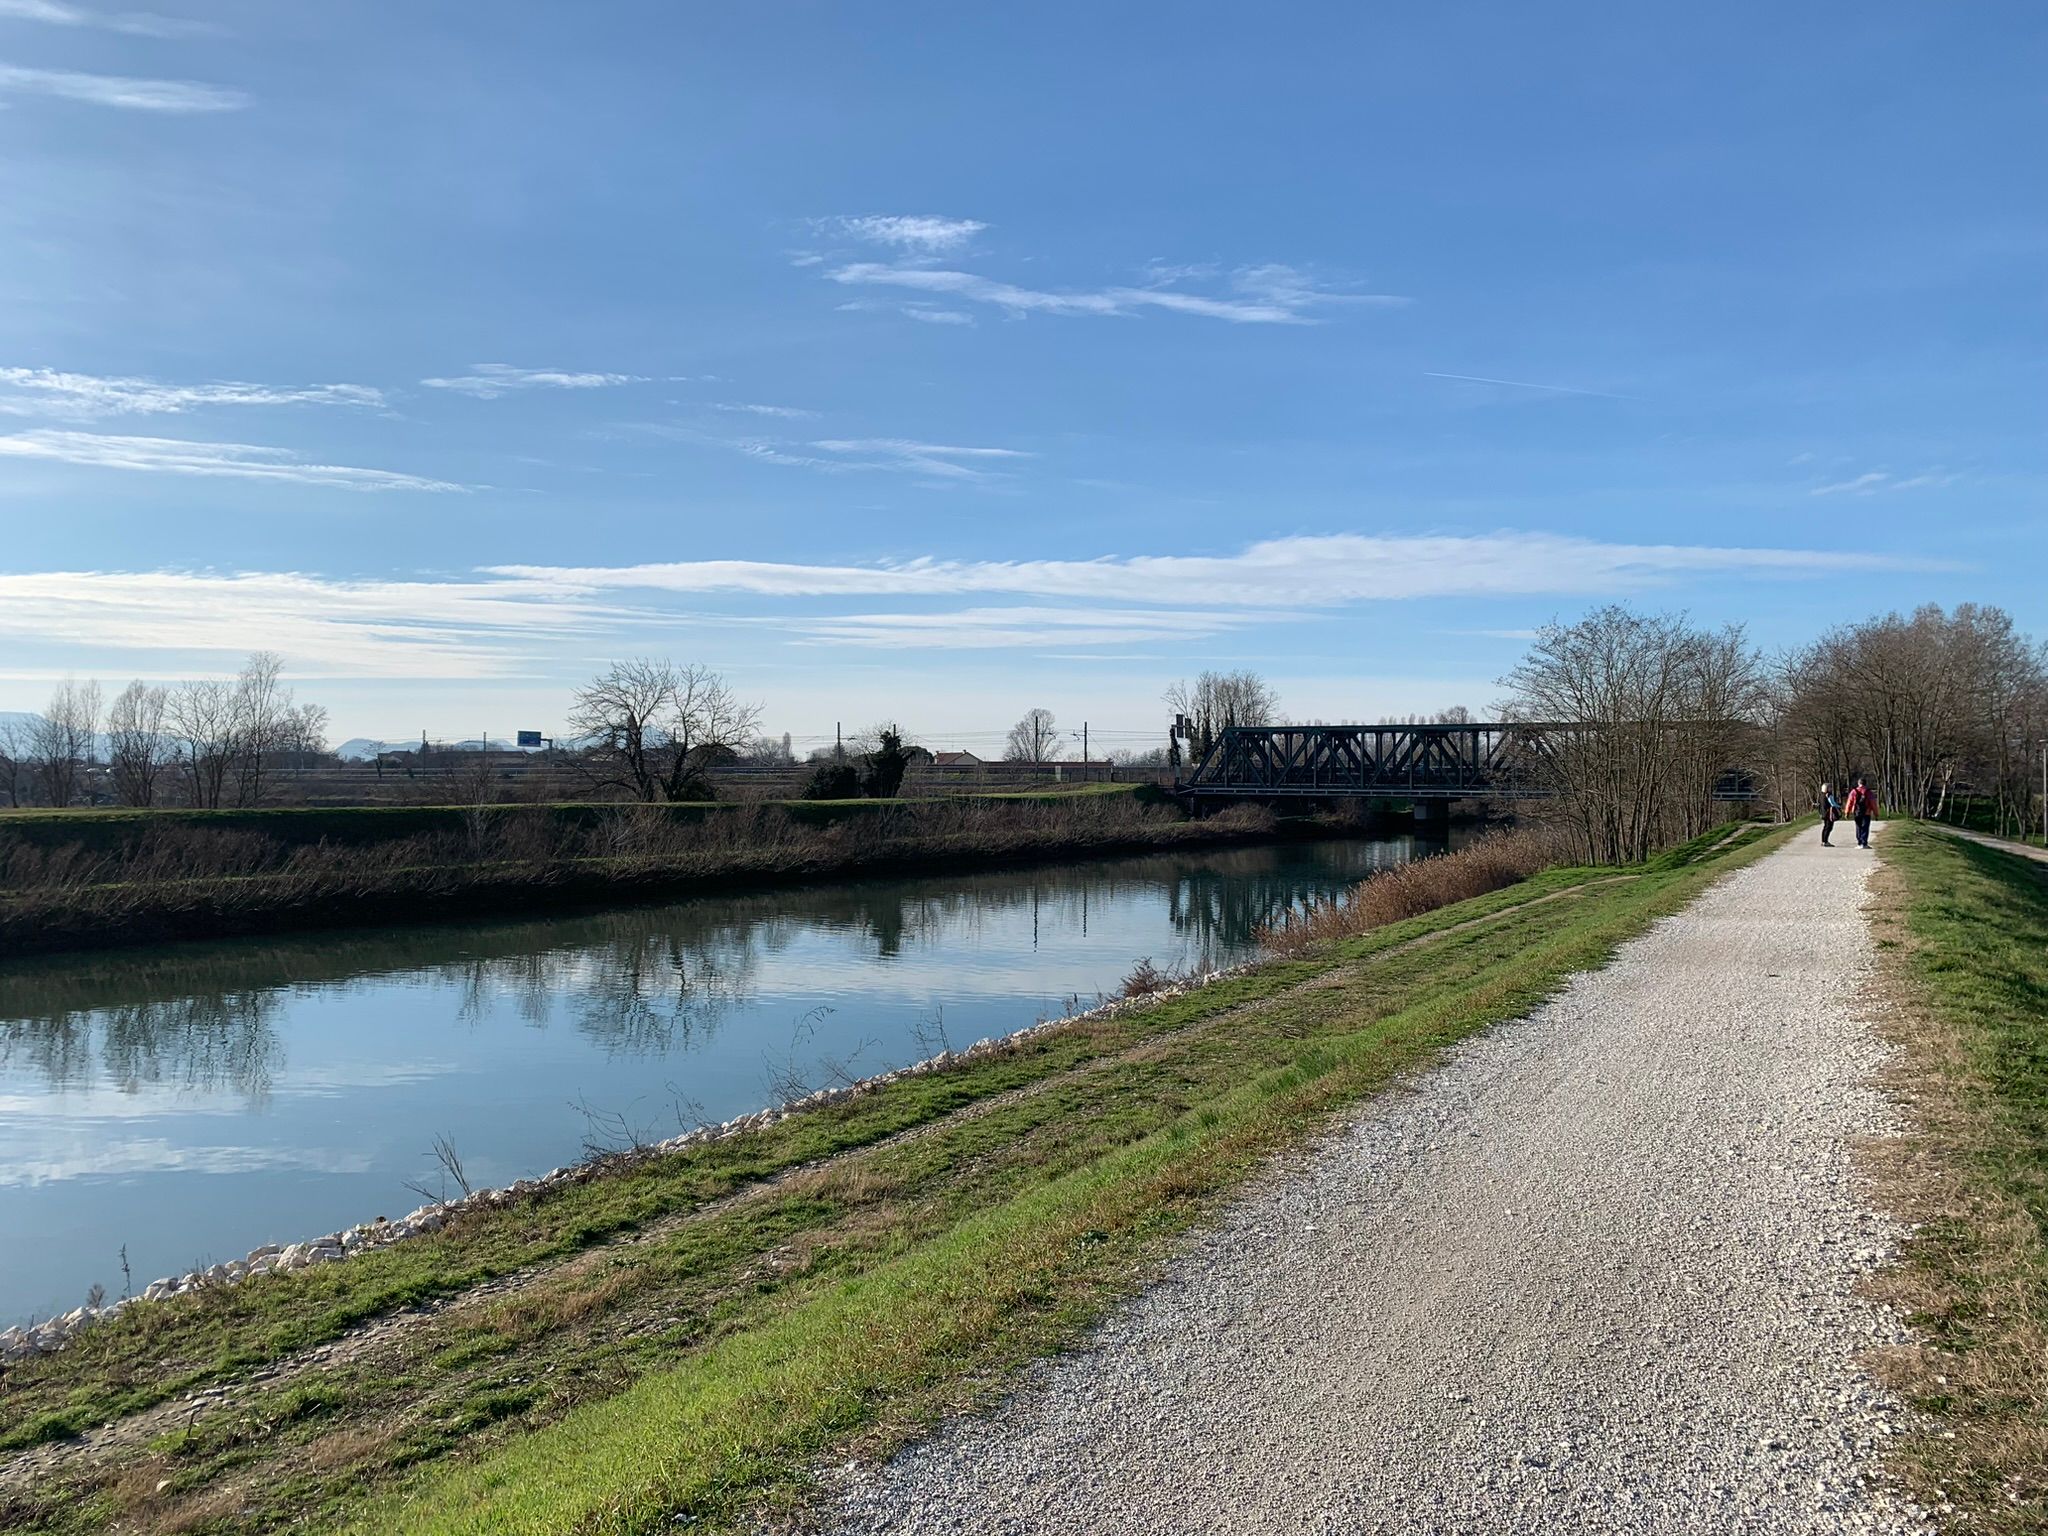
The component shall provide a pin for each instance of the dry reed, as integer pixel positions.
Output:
(1497, 860)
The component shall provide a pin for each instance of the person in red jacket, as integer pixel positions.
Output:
(1862, 805)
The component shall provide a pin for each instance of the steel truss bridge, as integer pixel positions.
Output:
(1393, 762)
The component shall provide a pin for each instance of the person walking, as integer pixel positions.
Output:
(1861, 805)
(1830, 811)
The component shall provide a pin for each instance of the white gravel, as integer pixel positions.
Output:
(1595, 1273)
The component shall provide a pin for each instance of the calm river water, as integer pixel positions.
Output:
(191, 1103)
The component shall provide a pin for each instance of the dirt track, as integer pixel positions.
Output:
(1596, 1273)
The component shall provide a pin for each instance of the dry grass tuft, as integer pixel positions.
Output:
(1495, 861)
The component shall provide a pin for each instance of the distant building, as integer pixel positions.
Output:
(955, 760)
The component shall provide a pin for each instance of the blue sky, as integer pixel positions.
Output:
(937, 362)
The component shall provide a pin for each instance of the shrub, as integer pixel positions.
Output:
(1495, 861)
(833, 781)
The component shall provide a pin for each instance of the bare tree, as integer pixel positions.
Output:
(140, 748)
(1034, 739)
(62, 740)
(262, 704)
(1218, 700)
(1646, 715)
(15, 766)
(205, 726)
(653, 728)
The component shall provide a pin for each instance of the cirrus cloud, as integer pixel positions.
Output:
(921, 233)
(1270, 294)
(180, 456)
(119, 91)
(487, 381)
(54, 392)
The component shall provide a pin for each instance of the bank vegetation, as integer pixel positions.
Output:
(80, 879)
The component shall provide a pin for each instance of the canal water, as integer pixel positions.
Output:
(186, 1104)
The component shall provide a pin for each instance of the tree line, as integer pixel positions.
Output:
(1923, 706)
(208, 742)
(1929, 707)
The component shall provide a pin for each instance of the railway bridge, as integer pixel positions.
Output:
(1428, 765)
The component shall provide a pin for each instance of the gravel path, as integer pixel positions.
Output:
(1595, 1273)
(2002, 844)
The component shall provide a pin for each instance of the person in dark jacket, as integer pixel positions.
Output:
(1830, 812)
(1861, 806)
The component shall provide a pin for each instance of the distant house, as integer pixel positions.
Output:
(955, 760)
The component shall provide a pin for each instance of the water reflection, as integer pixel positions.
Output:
(636, 982)
(202, 1099)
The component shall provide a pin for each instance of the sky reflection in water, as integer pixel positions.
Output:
(194, 1102)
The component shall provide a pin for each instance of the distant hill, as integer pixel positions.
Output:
(361, 749)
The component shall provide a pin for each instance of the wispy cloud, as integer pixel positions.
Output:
(456, 628)
(1261, 295)
(83, 396)
(510, 620)
(119, 91)
(1027, 628)
(923, 310)
(748, 408)
(925, 234)
(487, 381)
(1878, 480)
(1328, 570)
(946, 460)
(1548, 389)
(848, 455)
(134, 23)
(177, 456)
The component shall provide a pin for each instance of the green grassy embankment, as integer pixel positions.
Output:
(1966, 930)
(682, 1338)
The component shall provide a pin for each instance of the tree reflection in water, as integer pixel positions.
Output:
(640, 981)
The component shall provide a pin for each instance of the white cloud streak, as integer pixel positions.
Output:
(747, 408)
(83, 396)
(944, 460)
(487, 381)
(919, 233)
(456, 628)
(121, 91)
(1879, 480)
(1548, 389)
(1263, 295)
(518, 620)
(178, 456)
(1328, 570)
(134, 23)
(865, 455)
(1015, 628)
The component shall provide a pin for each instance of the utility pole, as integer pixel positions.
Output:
(1084, 745)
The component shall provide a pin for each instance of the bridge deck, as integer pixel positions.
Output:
(1496, 761)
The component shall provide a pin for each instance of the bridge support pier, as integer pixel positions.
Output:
(1432, 817)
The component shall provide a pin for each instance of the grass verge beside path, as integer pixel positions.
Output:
(1967, 927)
(686, 1337)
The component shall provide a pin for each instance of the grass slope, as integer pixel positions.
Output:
(1970, 931)
(686, 1337)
